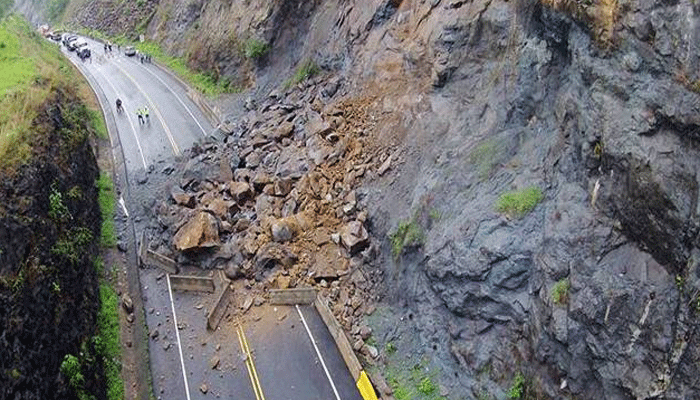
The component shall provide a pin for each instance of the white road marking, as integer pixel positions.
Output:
(123, 204)
(177, 334)
(168, 133)
(204, 133)
(318, 353)
(133, 130)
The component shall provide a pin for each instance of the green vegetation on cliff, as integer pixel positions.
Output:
(518, 203)
(106, 200)
(203, 82)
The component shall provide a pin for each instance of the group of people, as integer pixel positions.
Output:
(145, 58)
(108, 51)
(141, 113)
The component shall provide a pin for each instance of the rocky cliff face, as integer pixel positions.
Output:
(596, 105)
(48, 283)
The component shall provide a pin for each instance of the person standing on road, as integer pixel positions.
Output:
(139, 114)
(145, 113)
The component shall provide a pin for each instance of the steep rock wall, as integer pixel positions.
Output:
(48, 282)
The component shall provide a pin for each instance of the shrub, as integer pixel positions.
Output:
(560, 292)
(412, 382)
(255, 48)
(308, 69)
(408, 233)
(427, 386)
(70, 368)
(58, 211)
(73, 245)
(517, 388)
(520, 202)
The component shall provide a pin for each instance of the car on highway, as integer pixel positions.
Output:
(130, 51)
(83, 53)
(76, 45)
(69, 37)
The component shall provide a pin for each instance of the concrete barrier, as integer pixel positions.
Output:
(142, 249)
(192, 283)
(149, 257)
(341, 341)
(292, 296)
(161, 261)
(220, 306)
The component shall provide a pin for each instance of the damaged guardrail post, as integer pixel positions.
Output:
(192, 283)
(151, 258)
(292, 296)
(220, 306)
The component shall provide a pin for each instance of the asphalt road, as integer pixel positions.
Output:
(293, 354)
(174, 122)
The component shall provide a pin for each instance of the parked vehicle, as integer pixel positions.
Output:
(130, 51)
(84, 53)
(78, 44)
(69, 37)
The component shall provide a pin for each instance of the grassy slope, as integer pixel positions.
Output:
(29, 71)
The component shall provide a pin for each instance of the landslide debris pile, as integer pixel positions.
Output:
(275, 203)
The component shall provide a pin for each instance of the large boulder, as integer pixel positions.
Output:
(240, 191)
(317, 126)
(354, 237)
(202, 231)
(270, 256)
(293, 162)
(223, 209)
(285, 229)
(182, 198)
(285, 129)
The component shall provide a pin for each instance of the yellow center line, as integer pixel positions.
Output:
(255, 372)
(168, 133)
(252, 372)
